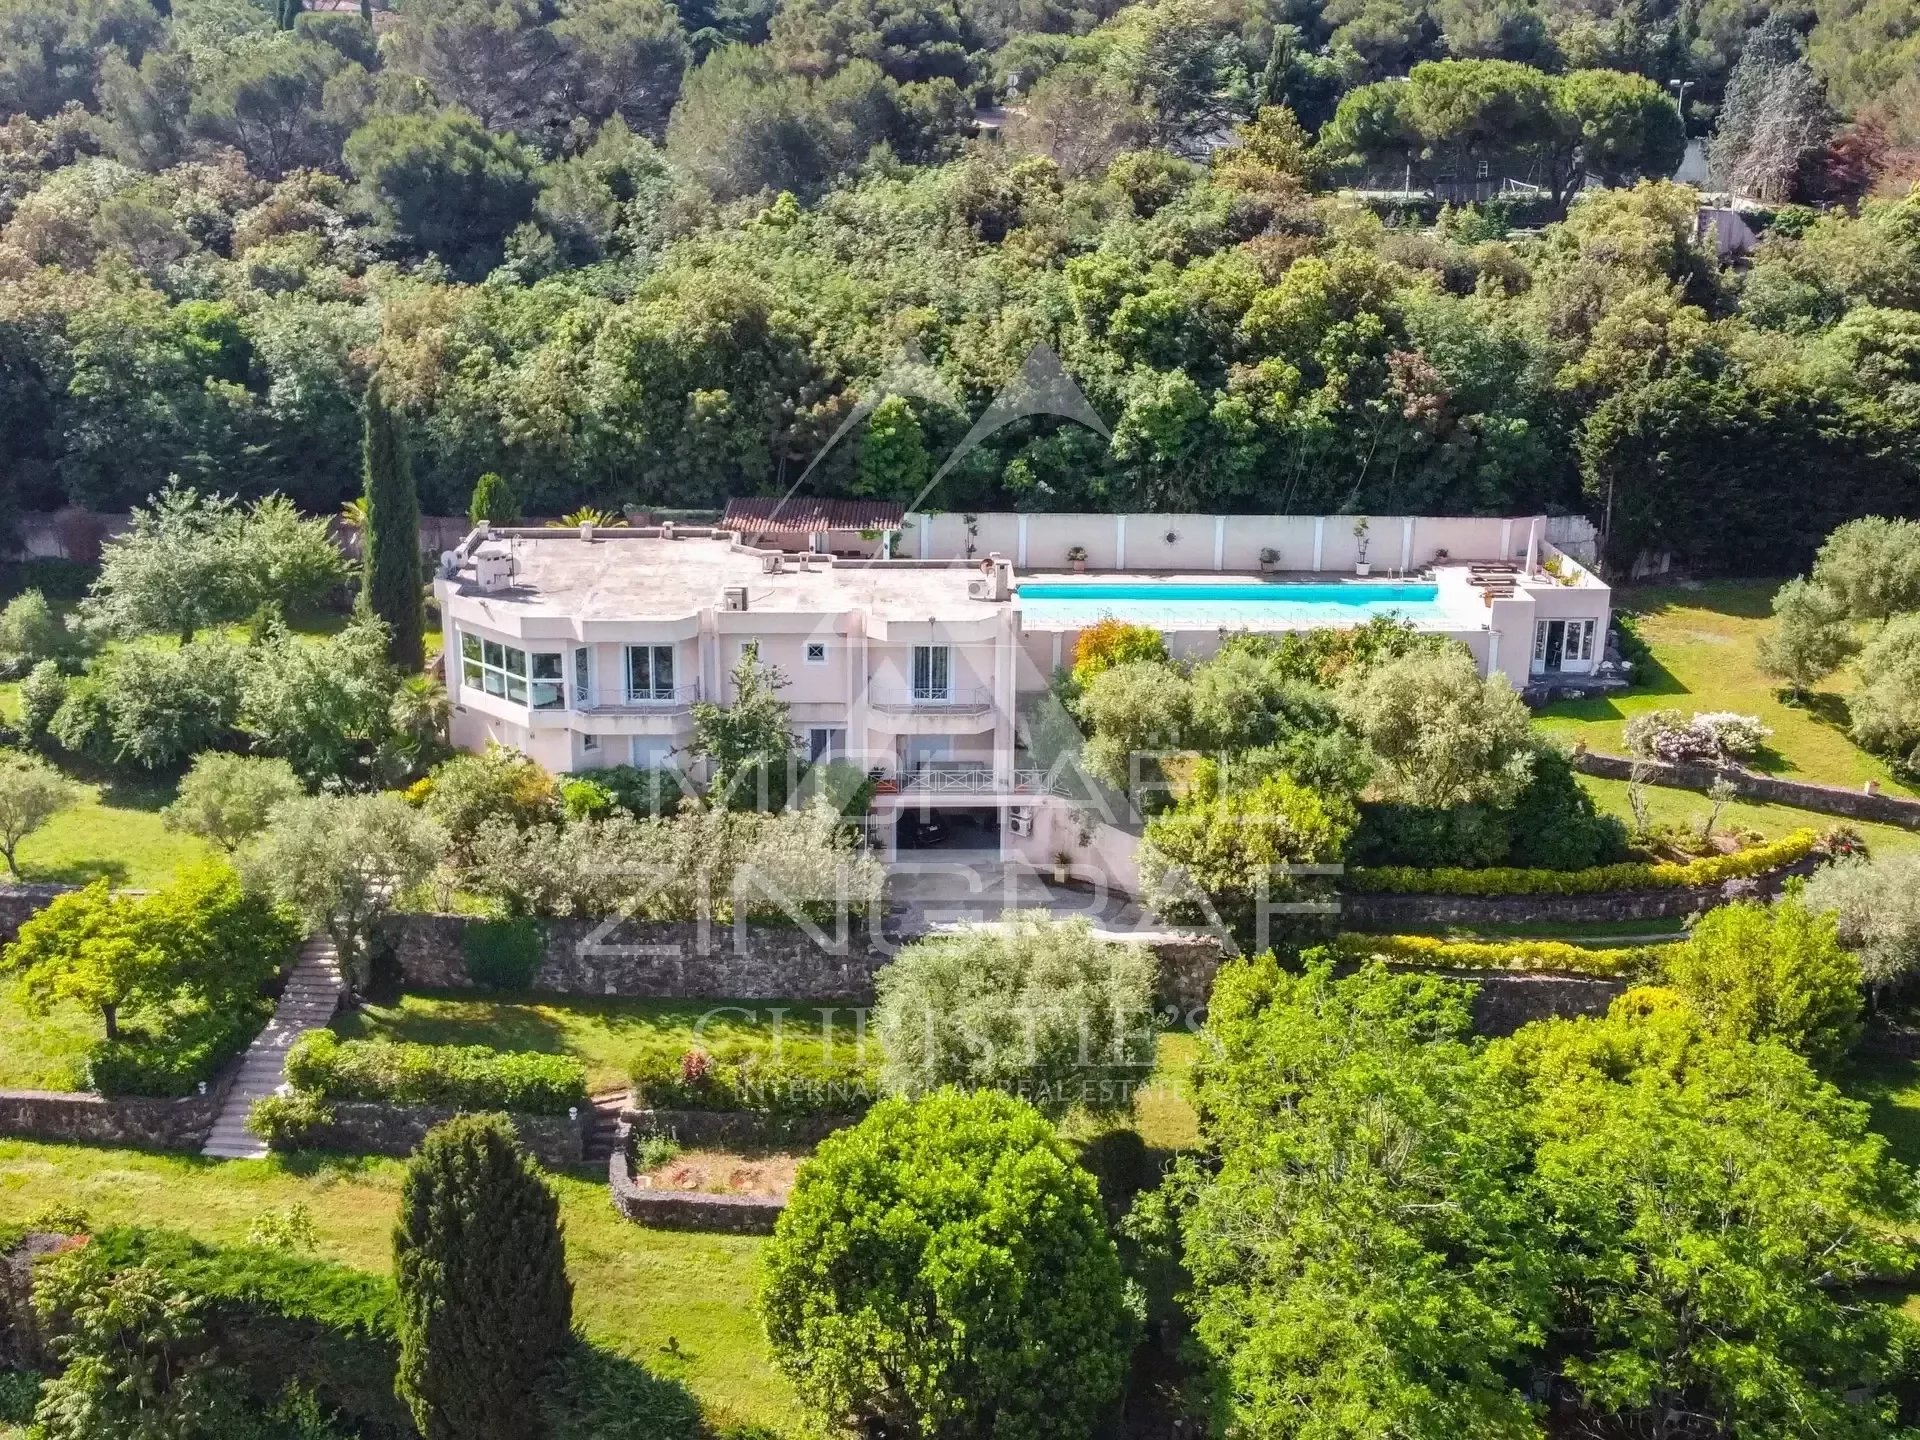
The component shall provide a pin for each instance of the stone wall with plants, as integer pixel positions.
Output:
(689, 1210)
(181, 1124)
(1857, 804)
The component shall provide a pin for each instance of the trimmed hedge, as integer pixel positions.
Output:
(752, 1082)
(171, 1065)
(1636, 875)
(504, 954)
(465, 1077)
(1556, 955)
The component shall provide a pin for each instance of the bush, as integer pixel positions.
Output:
(643, 792)
(1707, 738)
(504, 954)
(1432, 952)
(30, 633)
(497, 784)
(958, 1237)
(185, 1046)
(286, 1122)
(1630, 875)
(1466, 836)
(229, 799)
(752, 1080)
(1110, 642)
(153, 708)
(1755, 972)
(1038, 1008)
(582, 799)
(1554, 824)
(42, 694)
(466, 1077)
(485, 1304)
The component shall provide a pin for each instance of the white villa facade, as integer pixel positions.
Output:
(587, 648)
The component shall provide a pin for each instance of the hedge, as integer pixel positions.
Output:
(192, 1048)
(466, 1077)
(1634, 875)
(752, 1082)
(1555, 955)
(503, 954)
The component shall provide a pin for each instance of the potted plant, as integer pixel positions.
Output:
(1269, 560)
(1360, 565)
(1062, 867)
(1078, 555)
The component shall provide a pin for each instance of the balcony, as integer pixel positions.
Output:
(915, 700)
(964, 777)
(659, 700)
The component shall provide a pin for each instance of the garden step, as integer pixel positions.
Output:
(307, 1002)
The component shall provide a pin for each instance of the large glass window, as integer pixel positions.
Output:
(649, 672)
(509, 672)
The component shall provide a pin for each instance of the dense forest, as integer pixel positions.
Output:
(635, 252)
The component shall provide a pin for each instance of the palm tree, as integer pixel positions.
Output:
(587, 515)
(418, 713)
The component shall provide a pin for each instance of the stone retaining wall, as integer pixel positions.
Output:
(1801, 794)
(366, 1127)
(18, 903)
(124, 1120)
(665, 961)
(736, 1129)
(687, 1209)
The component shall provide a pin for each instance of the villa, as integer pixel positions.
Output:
(587, 648)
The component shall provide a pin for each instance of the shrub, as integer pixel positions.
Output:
(1444, 735)
(582, 799)
(1431, 951)
(485, 1304)
(1466, 836)
(467, 1077)
(1755, 972)
(184, 1046)
(752, 1080)
(1038, 1008)
(1109, 642)
(228, 799)
(42, 694)
(957, 1237)
(151, 707)
(1711, 737)
(286, 1122)
(1554, 824)
(1629, 875)
(1131, 712)
(504, 954)
(643, 792)
(30, 633)
(496, 785)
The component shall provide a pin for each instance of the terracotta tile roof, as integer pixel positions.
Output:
(807, 514)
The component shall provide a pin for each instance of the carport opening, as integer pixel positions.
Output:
(950, 829)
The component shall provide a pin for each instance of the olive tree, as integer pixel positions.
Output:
(1036, 1007)
(1876, 912)
(229, 799)
(1444, 735)
(32, 792)
(1811, 636)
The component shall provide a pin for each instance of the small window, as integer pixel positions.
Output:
(589, 742)
(816, 652)
(549, 691)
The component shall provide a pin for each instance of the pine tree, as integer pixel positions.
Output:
(289, 11)
(493, 502)
(391, 540)
(485, 1303)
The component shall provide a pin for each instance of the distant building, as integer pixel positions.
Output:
(825, 527)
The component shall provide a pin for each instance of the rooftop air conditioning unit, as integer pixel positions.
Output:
(1020, 820)
(493, 565)
(736, 596)
(980, 589)
(770, 564)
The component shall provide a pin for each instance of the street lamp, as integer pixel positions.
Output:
(1680, 88)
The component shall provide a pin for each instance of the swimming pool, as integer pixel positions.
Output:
(1173, 606)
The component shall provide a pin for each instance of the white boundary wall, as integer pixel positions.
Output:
(1229, 543)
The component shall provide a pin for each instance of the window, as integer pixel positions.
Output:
(549, 688)
(816, 652)
(582, 679)
(932, 678)
(823, 743)
(1579, 639)
(589, 742)
(649, 672)
(493, 667)
(1540, 640)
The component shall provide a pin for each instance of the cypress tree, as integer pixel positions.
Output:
(485, 1303)
(390, 544)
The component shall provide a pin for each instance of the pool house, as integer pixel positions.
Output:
(587, 648)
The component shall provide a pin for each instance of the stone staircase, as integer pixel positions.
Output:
(311, 996)
(603, 1126)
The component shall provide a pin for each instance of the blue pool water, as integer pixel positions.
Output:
(1172, 606)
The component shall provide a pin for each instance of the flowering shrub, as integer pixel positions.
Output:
(1707, 738)
(1637, 875)
(752, 1080)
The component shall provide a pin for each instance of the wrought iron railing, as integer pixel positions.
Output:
(954, 699)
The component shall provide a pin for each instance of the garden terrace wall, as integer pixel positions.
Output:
(689, 1210)
(1801, 794)
(735, 1129)
(182, 1124)
(366, 1127)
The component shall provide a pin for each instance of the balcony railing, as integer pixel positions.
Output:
(954, 700)
(656, 700)
(962, 777)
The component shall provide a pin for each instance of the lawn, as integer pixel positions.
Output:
(43, 1052)
(115, 831)
(1689, 807)
(604, 1034)
(682, 1304)
(1703, 640)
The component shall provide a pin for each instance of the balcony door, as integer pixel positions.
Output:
(932, 673)
(649, 672)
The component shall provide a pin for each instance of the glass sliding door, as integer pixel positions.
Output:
(649, 672)
(932, 673)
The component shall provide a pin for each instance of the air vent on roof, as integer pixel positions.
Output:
(736, 597)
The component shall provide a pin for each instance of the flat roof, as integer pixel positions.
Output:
(619, 576)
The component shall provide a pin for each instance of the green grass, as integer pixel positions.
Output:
(603, 1034)
(1703, 640)
(43, 1052)
(1689, 807)
(115, 831)
(680, 1303)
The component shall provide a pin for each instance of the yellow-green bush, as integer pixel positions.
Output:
(1500, 955)
(1633, 875)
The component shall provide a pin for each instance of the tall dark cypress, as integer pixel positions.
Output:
(391, 542)
(485, 1303)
